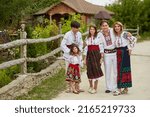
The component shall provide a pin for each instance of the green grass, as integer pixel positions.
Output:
(48, 89)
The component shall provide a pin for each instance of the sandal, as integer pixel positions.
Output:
(93, 91)
(81, 90)
(125, 91)
(75, 92)
(90, 89)
(116, 93)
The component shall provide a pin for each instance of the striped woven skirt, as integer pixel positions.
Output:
(123, 68)
(94, 70)
(73, 73)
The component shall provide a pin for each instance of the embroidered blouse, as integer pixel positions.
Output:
(125, 40)
(75, 59)
(70, 38)
(108, 42)
(92, 41)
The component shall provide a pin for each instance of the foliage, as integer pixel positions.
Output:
(132, 13)
(48, 89)
(4, 78)
(145, 16)
(12, 11)
(66, 23)
(41, 31)
(7, 75)
(144, 36)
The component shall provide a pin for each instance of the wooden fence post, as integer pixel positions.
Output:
(23, 49)
(60, 32)
(138, 29)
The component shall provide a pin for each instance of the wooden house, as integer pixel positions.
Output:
(69, 7)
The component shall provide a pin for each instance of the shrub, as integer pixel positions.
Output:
(7, 75)
(41, 31)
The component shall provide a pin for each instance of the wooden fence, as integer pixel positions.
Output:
(22, 43)
(134, 32)
(24, 59)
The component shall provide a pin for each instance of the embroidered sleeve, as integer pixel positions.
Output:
(85, 51)
(80, 60)
(63, 46)
(132, 40)
(85, 48)
(80, 43)
(101, 44)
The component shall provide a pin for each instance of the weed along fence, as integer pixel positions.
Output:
(26, 81)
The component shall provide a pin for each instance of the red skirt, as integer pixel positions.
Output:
(73, 73)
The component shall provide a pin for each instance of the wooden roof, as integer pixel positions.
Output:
(80, 6)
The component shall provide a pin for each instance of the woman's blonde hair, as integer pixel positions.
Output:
(120, 24)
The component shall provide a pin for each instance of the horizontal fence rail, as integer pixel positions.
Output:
(44, 56)
(134, 32)
(12, 63)
(24, 42)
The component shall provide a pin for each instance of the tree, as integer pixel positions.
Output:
(11, 11)
(127, 11)
(145, 16)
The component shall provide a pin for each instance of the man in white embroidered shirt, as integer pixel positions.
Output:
(71, 37)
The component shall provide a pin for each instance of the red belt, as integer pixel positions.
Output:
(93, 47)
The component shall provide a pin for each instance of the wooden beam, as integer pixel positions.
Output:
(44, 56)
(12, 63)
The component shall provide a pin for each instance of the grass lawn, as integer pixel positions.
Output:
(48, 89)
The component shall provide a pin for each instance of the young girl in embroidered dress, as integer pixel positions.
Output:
(124, 44)
(92, 59)
(73, 71)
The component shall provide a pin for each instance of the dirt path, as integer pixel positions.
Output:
(141, 80)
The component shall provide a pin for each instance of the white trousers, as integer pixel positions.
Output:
(110, 64)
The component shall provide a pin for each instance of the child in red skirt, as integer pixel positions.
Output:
(73, 71)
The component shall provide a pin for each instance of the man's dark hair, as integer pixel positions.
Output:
(103, 21)
(75, 24)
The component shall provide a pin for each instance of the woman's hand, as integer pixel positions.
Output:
(130, 51)
(102, 58)
(129, 34)
(84, 62)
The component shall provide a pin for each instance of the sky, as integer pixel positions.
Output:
(100, 2)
